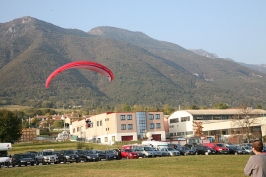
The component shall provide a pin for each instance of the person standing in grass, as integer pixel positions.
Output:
(256, 165)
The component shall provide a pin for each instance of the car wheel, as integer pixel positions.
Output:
(37, 162)
(32, 164)
(64, 160)
(13, 165)
(43, 162)
(144, 156)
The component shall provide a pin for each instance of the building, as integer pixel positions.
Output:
(29, 134)
(110, 127)
(217, 125)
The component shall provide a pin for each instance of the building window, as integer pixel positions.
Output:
(175, 120)
(151, 116)
(142, 122)
(113, 138)
(101, 122)
(142, 130)
(129, 126)
(74, 130)
(105, 139)
(106, 119)
(184, 119)
(158, 125)
(157, 116)
(151, 125)
(122, 117)
(129, 117)
(77, 129)
(123, 127)
(97, 123)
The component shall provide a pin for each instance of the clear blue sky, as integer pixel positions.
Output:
(233, 29)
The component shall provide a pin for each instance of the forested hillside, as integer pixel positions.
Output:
(147, 71)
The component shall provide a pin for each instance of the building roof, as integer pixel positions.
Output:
(222, 111)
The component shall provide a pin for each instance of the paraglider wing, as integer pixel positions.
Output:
(82, 64)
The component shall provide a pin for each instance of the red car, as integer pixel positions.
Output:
(129, 154)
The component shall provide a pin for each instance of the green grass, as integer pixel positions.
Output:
(14, 107)
(189, 166)
(181, 166)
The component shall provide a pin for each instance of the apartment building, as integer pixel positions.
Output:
(110, 127)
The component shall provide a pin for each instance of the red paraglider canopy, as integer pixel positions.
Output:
(82, 64)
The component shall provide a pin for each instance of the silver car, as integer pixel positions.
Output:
(171, 151)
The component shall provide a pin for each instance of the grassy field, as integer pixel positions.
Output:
(14, 107)
(181, 166)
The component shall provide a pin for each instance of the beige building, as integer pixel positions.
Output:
(110, 127)
(216, 123)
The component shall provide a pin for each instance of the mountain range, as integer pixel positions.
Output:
(258, 67)
(147, 71)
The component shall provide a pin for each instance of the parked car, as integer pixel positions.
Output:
(46, 157)
(68, 156)
(171, 151)
(203, 150)
(129, 154)
(118, 152)
(147, 151)
(184, 150)
(22, 159)
(139, 151)
(247, 149)
(235, 150)
(107, 155)
(88, 156)
(157, 152)
(220, 148)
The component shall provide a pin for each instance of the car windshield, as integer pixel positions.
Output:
(30, 155)
(148, 149)
(88, 152)
(221, 145)
(25, 156)
(171, 149)
(69, 152)
(129, 150)
(48, 153)
(109, 151)
(154, 149)
(3, 153)
(138, 149)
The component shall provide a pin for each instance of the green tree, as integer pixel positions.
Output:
(58, 124)
(10, 126)
(167, 110)
(220, 106)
